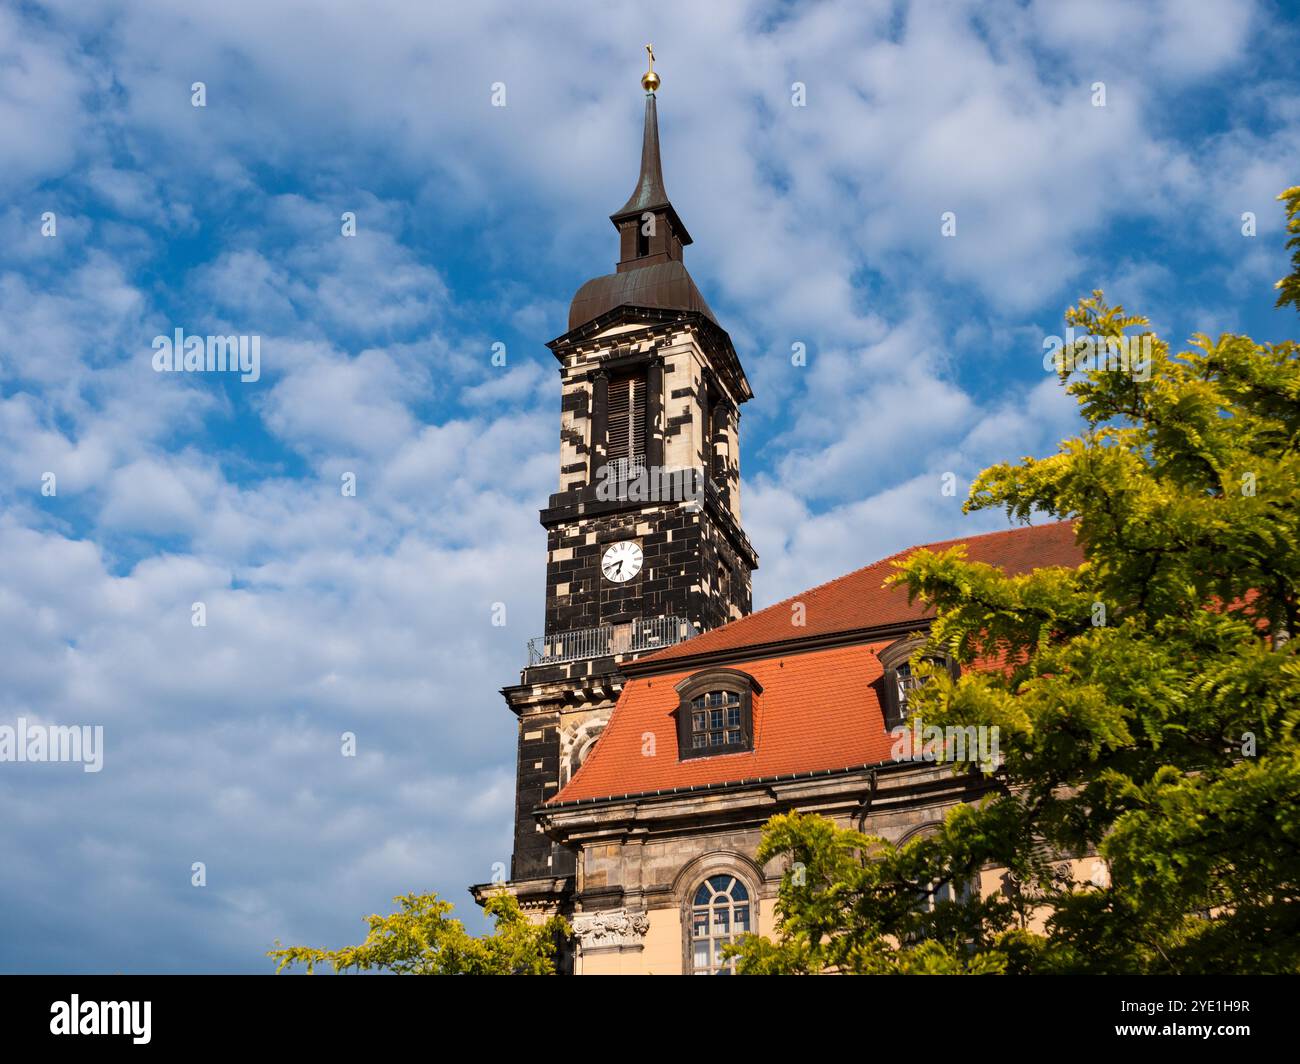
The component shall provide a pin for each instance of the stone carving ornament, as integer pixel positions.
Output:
(604, 930)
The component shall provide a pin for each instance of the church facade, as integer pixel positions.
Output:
(660, 721)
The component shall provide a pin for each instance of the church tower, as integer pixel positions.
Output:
(644, 540)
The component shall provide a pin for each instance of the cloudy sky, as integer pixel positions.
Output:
(475, 224)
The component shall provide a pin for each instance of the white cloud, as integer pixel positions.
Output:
(372, 614)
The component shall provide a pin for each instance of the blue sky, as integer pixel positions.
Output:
(475, 225)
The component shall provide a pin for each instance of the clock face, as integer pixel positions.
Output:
(621, 562)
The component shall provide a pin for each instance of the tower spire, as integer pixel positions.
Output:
(649, 193)
(649, 196)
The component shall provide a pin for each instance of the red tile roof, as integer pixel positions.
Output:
(818, 710)
(858, 600)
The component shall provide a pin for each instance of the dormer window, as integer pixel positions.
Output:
(900, 681)
(715, 713)
(715, 720)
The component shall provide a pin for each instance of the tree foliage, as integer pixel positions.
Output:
(1146, 703)
(422, 938)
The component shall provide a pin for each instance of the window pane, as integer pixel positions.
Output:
(715, 718)
(697, 722)
(721, 913)
(698, 742)
(715, 738)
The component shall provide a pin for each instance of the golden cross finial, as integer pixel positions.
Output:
(650, 80)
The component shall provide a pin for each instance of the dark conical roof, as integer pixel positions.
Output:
(649, 194)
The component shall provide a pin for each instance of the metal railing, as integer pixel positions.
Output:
(623, 469)
(617, 475)
(651, 633)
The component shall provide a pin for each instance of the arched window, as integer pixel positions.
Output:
(576, 745)
(719, 913)
(715, 713)
(931, 895)
(936, 893)
(576, 757)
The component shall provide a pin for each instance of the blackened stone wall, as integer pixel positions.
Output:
(683, 553)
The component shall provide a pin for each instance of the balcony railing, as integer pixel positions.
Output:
(653, 633)
(633, 478)
(615, 478)
(624, 469)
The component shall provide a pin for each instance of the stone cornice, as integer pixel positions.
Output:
(756, 800)
(568, 506)
(544, 894)
(666, 321)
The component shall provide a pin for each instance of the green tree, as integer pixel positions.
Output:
(423, 939)
(1147, 703)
